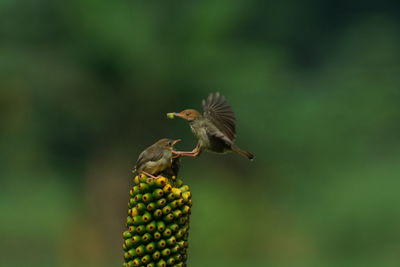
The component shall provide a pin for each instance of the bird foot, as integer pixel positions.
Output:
(188, 154)
(150, 177)
(176, 156)
(194, 153)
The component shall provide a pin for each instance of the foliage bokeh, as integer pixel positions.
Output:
(85, 86)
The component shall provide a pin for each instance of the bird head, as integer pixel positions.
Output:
(188, 114)
(167, 143)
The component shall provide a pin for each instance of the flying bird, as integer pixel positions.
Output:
(215, 129)
(156, 158)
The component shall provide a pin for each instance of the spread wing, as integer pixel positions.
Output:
(152, 153)
(217, 109)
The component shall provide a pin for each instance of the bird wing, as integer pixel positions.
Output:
(152, 153)
(217, 109)
(218, 135)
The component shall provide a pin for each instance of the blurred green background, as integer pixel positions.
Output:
(85, 86)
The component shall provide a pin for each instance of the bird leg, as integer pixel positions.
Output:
(194, 153)
(150, 176)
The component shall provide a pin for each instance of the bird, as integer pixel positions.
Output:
(215, 129)
(156, 158)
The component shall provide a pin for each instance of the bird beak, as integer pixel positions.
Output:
(179, 115)
(176, 141)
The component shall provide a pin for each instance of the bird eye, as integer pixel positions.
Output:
(187, 113)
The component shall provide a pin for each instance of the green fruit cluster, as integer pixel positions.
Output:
(157, 223)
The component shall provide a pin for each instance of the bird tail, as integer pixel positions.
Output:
(243, 152)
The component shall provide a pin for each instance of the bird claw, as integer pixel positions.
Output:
(194, 153)
(189, 154)
(150, 178)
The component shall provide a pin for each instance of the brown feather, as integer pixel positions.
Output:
(217, 109)
(152, 153)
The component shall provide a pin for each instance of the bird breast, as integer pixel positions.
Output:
(201, 133)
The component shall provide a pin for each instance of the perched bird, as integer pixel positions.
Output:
(215, 129)
(156, 158)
